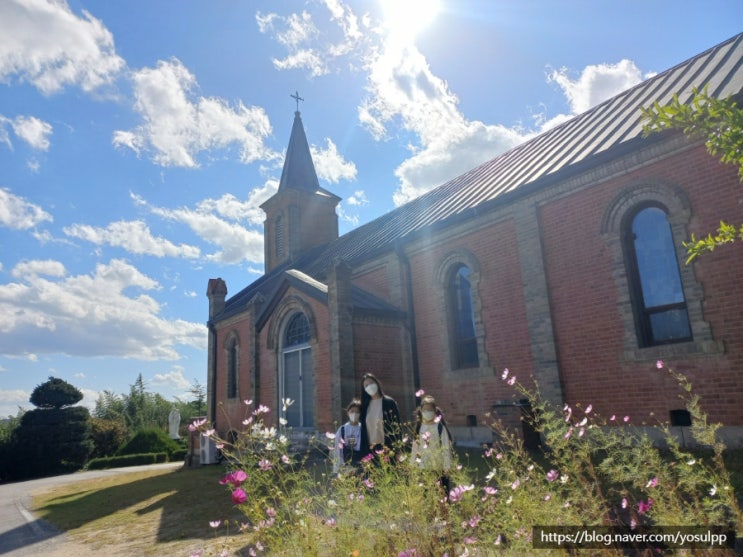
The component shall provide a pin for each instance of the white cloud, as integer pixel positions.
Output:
(47, 45)
(330, 165)
(358, 198)
(36, 267)
(174, 379)
(33, 131)
(179, 125)
(106, 313)
(11, 400)
(19, 214)
(219, 222)
(596, 83)
(133, 236)
(403, 89)
(309, 48)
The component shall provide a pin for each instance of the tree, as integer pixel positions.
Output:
(54, 437)
(198, 391)
(719, 123)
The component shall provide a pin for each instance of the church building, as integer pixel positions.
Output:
(561, 259)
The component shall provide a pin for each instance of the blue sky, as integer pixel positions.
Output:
(138, 139)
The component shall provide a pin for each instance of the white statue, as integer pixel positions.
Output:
(174, 421)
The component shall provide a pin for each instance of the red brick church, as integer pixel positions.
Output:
(561, 259)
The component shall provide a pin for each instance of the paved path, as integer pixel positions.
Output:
(24, 535)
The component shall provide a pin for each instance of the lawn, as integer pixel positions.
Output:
(159, 512)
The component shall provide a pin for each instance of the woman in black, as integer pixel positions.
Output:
(380, 418)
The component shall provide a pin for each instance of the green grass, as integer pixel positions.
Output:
(159, 512)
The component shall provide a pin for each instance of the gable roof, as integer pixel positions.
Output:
(603, 132)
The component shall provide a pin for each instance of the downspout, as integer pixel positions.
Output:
(212, 388)
(411, 313)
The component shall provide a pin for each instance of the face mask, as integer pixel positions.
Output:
(371, 389)
(353, 416)
(428, 415)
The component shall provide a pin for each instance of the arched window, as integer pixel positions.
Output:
(279, 243)
(655, 281)
(297, 378)
(232, 367)
(462, 319)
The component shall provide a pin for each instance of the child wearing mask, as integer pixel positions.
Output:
(348, 439)
(432, 445)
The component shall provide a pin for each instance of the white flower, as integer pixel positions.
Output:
(713, 490)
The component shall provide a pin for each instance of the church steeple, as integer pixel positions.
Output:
(301, 214)
(299, 170)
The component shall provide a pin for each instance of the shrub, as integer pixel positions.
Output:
(127, 460)
(107, 436)
(149, 441)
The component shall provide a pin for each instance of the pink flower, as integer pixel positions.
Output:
(643, 507)
(512, 380)
(419, 393)
(285, 459)
(469, 540)
(215, 523)
(552, 475)
(239, 496)
(569, 433)
(490, 490)
(196, 424)
(505, 373)
(589, 408)
(235, 479)
(368, 458)
(264, 465)
(488, 452)
(330, 522)
(368, 483)
(626, 419)
(659, 364)
(613, 418)
(516, 484)
(652, 483)
(624, 502)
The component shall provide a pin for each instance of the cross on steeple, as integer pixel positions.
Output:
(297, 98)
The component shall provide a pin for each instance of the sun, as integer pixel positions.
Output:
(404, 19)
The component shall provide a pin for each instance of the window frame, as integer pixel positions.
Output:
(678, 213)
(643, 322)
(447, 267)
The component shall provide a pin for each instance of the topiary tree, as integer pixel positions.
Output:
(55, 393)
(53, 438)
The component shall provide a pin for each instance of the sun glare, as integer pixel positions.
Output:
(405, 18)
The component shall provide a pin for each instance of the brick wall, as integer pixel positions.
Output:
(583, 297)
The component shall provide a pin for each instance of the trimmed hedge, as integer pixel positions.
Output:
(149, 441)
(127, 460)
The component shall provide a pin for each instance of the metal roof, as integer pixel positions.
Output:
(587, 139)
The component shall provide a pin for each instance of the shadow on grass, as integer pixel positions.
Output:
(187, 498)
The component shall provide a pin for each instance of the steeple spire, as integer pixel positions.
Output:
(299, 170)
